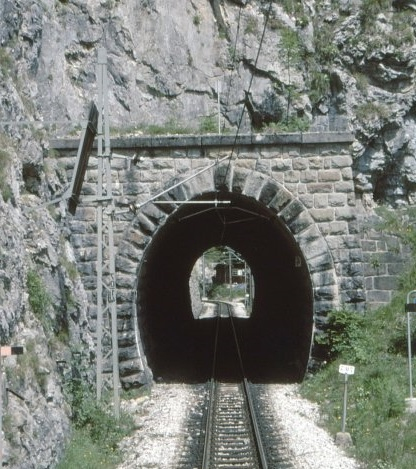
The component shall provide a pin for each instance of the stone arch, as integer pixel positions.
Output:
(218, 179)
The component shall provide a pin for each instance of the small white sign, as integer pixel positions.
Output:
(347, 369)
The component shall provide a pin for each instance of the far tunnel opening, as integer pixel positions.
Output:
(275, 340)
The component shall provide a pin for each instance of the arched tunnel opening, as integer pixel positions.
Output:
(275, 340)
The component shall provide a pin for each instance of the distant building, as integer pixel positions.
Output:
(222, 273)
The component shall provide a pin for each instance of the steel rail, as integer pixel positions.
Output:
(255, 425)
(206, 458)
(248, 399)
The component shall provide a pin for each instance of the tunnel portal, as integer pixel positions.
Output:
(275, 340)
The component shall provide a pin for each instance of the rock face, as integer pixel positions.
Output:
(287, 68)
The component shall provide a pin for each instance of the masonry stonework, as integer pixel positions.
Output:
(305, 179)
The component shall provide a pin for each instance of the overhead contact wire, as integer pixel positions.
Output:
(266, 20)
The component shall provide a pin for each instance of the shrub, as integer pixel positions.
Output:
(6, 62)
(97, 432)
(343, 334)
(292, 124)
(4, 165)
(208, 125)
(371, 110)
(383, 434)
(39, 299)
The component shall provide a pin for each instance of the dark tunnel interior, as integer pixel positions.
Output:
(275, 340)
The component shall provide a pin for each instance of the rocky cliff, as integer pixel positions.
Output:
(268, 66)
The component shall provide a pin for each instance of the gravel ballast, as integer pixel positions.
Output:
(160, 433)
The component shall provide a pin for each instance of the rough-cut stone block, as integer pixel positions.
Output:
(321, 310)
(316, 162)
(337, 200)
(127, 338)
(344, 186)
(353, 296)
(347, 174)
(326, 293)
(300, 164)
(268, 191)
(281, 165)
(253, 184)
(369, 283)
(320, 200)
(86, 214)
(308, 176)
(350, 242)
(86, 269)
(126, 280)
(329, 175)
(280, 200)
(321, 187)
(239, 177)
(377, 296)
(292, 176)
(325, 278)
(127, 353)
(386, 283)
(146, 226)
(341, 161)
(345, 213)
(302, 189)
(353, 269)
(223, 176)
(396, 268)
(270, 152)
(307, 236)
(291, 211)
(246, 163)
(320, 263)
(300, 223)
(338, 228)
(129, 367)
(322, 214)
(77, 227)
(306, 200)
(262, 166)
(373, 267)
(154, 213)
(315, 248)
(203, 182)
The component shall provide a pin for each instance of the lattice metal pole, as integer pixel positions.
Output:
(106, 274)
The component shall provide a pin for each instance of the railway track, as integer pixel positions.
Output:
(236, 428)
(232, 438)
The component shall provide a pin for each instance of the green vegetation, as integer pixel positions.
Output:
(293, 124)
(370, 9)
(222, 292)
(251, 26)
(5, 159)
(28, 365)
(96, 432)
(170, 128)
(39, 299)
(293, 8)
(384, 435)
(371, 110)
(208, 125)
(326, 50)
(196, 20)
(6, 62)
